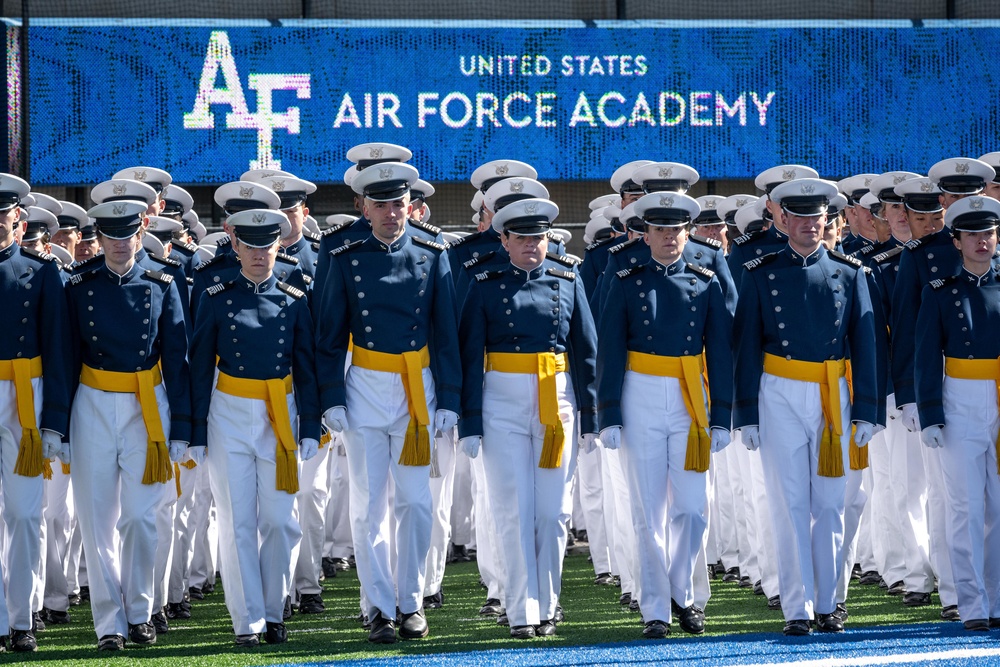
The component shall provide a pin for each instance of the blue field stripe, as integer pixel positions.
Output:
(932, 644)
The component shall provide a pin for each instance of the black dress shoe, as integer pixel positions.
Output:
(625, 599)
(502, 618)
(691, 619)
(383, 630)
(546, 629)
(208, 588)
(435, 601)
(414, 626)
(142, 634)
(869, 578)
(950, 613)
(829, 623)
(177, 610)
(774, 603)
(916, 599)
(656, 630)
(111, 643)
(732, 575)
(196, 593)
(275, 633)
(745, 582)
(37, 622)
(994, 622)
(74, 600)
(84, 593)
(159, 621)
(797, 628)
(604, 579)
(975, 625)
(633, 606)
(247, 641)
(330, 568)
(491, 608)
(898, 588)
(55, 617)
(758, 587)
(841, 612)
(559, 616)
(459, 554)
(22, 641)
(856, 572)
(287, 612)
(522, 632)
(311, 603)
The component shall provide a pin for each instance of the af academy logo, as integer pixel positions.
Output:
(265, 120)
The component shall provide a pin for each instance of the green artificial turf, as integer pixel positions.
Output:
(593, 616)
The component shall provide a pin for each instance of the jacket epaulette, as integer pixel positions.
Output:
(86, 265)
(160, 276)
(758, 262)
(315, 238)
(913, 244)
(888, 254)
(338, 228)
(219, 287)
(846, 259)
(184, 246)
(425, 226)
(552, 237)
(428, 244)
(748, 237)
(78, 278)
(315, 246)
(287, 259)
(44, 256)
(470, 237)
(165, 261)
(289, 290)
(190, 281)
(223, 242)
(345, 247)
(631, 271)
(627, 244)
(938, 283)
(565, 260)
(488, 275)
(559, 273)
(208, 262)
(600, 244)
(701, 240)
(701, 271)
(476, 261)
(865, 250)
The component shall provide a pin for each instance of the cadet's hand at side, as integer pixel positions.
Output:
(911, 419)
(445, 420)
(588, 442)
(177, 449)
(720, 439)
(751, 437)
(863, 432)
(470, 445)
(196, 454)
(308, 448)
(51, 444)
(336, 419)
(932, 437)
(611, 437)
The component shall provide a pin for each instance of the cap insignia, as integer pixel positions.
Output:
(787, 174)
(926, 187)
(899, 178)
(667, 202)
(740, 203)
(666, 173)
(961, 167)
(711, 203)
(385, 173)
(258, 218)
(530, 209)
(246, 193)
(118, 209)
(808, 189)
(139, 175)
(502, 169)
(976, 204)
(517, 186)
(278, 186)
(119, 189)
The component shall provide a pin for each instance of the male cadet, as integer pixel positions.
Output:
(38, 229)
(87, 246)
(930, 255)
(391, 294)
(300, 244)
(177, 203)
(595, 256)
(992, 187)
(727, 209)
(35, 412)
(418, 223)
(71, 219)
(854, 188)
(158, 179)
(803, 311)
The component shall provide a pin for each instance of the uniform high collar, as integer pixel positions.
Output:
(805, 260)
(256, 288)
(395, 246)
(125, 278)
(972, 279)
(296, 247)
(668, 269)
(525, 274)
(8, 252)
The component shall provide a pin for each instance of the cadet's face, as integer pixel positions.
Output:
(775, 210)
(119, 253)
(714, 232)
(805, 232)
(296, 219)
(947, 199)
(630, 198)
(525, 251)
(852, 216)
(485, 219)
(67, 238)
(882, 228)
(419, 211)
(10, 226)
(156, 207)
(831, 235)
(388, 217)
(977, 248)
(895, 215)
(924, 224)
(865, 225)
(992, 190)
(257, 263)
(86, 250)
(666, 243)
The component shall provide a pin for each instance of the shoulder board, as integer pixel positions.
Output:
(78, 278)
(476, 261)
(866, 250)
(888, 254)
(846, 259)
(159, 275)
(427, 227)
(207, 263)
(345, 248)
(338, 228)
(310, 236)
(165, 261)
(427, 244)
(38, 255)
(488, 275)
(224, 241)
(758, 262)
(552, 237)
(219, 287)
(287, 259)
(470, 237)
(289, 290)
(307, 279)
(625, 273)
(315, 246)
(938, 283)
(701, 271)
(913, 244)
(568, 262)
(190, 281)
(183, 246)
(568, 275)
(701, 240)
(87, 264)
(746, 238)
(600, 244)
(627, 244)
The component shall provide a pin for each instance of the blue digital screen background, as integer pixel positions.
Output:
(844, 97)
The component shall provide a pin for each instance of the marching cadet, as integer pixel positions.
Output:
(262, 410)
(854, 188)
(88, 246)
(128, 330)
(792, 400)
(992, 188)
(957, 378)
(158, 179)
(535, 328)
(72, 219)
(177, 203)
(34, 380)
(652, 402)
(418, 224)
(392, 294)
(300, 244)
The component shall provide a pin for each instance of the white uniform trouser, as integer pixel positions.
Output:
(591, 499)
(489, 549)
(808, 509)
(725, 526)
(258, 527)
(180, 563)
(887, 540)
(205, 544)
(377, 420)
(115, 510)
(760, 522)
(864, 554)
(441, 497)
(311, 500)
(462, 530)
(60, 515)
(338, 542)
(972, 490)
(618, 520)
(76, 563)
(669, 503)
(856, 497)
(531, 505)
(22, 516)
(165, 520)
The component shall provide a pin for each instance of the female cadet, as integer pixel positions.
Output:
(260, 330)
(659, 319)
(535, 328)
(130, 353)
(957, 377)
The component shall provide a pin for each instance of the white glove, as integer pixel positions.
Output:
(611, 437)
(177, 449)
(470, 445)
(51, 444)
(863, 432)
(444, 421)
(911, 420)
(720, 439)
(588, 442)
(64, 455)
(336, 419)
(308, 448)
(751, 437)
(932, 437)
(196, 454)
